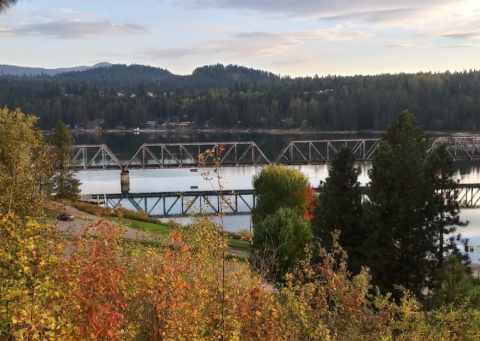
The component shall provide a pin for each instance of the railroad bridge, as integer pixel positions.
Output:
(241, 202)
(239, 154)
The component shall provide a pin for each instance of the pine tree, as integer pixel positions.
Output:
(401, 238)
(6, 4)
(444, 205)
(65, 185)
(340, 208)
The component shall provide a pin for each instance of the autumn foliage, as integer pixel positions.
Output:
(102, 286)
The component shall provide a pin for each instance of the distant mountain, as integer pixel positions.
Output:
(37, 71)
(119, 76)
(129, 77)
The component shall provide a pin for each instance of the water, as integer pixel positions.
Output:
(177, 180)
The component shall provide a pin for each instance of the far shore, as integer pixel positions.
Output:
(258, 131)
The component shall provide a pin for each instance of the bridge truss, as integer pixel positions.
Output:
(321, 151)
(459, 148)
(94, 157)
(180, 155)
(235, 154)
(171, 204)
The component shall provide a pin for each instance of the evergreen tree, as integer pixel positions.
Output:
(444, 205)
(6, 4)
(340, 208)
(401, 238)
(65, 185)
(454, 284)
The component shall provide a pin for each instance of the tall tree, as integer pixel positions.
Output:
(65, 185)
(401, 238)
(340, 208)
(25, 167)
(444, 205)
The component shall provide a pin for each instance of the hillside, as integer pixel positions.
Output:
(37, 71)
(128, 77)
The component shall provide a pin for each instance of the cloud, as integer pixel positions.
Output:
(72, 29)
(374, 16)
(316, 7)
(412, 15)
(249, 45)
(402, 46)
(464, 35)
(461, 46)
(210, 27)
(468, 29)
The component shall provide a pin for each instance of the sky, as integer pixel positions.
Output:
(296, 38)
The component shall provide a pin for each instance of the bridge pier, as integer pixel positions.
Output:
(125, 181)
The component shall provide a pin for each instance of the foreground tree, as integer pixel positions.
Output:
(340, 208)
(444, 205)
(279, 186)
(65, 185)
(6, 5)
(401, 238)
(25, 165)
(279, 243)
(454, 284)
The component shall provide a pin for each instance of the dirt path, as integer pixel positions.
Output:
(75, 226)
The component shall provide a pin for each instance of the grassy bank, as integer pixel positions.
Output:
(142, 222)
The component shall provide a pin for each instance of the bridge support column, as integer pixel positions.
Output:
(125, 181)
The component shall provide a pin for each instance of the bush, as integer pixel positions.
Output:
(279, 242)
(279, 186)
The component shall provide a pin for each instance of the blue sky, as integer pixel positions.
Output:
(296, 38)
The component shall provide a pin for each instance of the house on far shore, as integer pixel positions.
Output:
(182, 124)
(150, 124)
(120, 94)
(149, 94)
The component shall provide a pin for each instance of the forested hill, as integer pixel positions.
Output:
(37, 71)
(127, 78)
(234, 96)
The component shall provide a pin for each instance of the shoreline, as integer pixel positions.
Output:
(260, 131)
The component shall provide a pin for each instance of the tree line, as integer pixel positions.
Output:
(233, 96)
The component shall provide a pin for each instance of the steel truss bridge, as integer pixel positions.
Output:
(237, 154)
(173, 204)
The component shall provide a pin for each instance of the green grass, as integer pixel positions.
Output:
(144, 226)
(144, 223)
